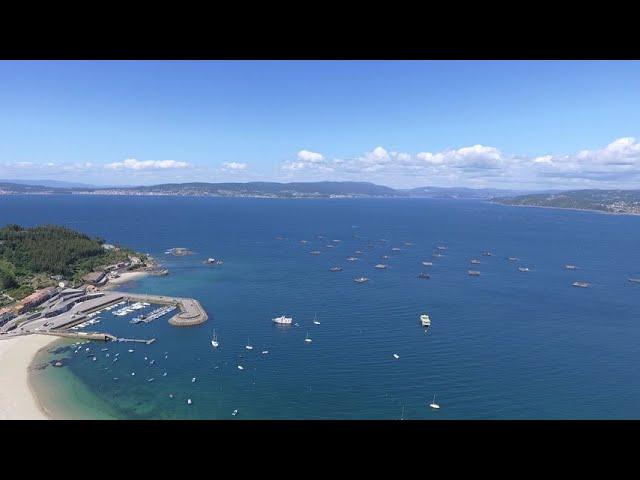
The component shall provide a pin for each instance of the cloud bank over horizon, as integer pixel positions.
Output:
(616, 165)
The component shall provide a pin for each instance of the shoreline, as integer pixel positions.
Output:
(591, 210)
(124, 278)
(18, 400)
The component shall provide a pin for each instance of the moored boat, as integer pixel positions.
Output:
(283, 320)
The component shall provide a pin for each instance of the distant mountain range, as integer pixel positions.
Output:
(614, 201)
(254, 189)
(610, 201)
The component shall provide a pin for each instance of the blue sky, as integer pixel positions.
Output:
(527, 124)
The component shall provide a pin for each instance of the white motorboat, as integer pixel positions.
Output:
(425, 320)
(240, 367)
(248, 346)
(396, 356)
(214, 340)
(283, 320)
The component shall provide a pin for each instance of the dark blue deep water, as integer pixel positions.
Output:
(505, 345)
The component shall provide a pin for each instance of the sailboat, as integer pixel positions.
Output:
(402, 416)
(307, 339)
(249, 346)
(214, 340)
(315, 319)
(433, 403)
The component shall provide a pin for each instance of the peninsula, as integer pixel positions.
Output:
(625, 202)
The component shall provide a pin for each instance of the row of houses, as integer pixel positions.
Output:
(35, 299)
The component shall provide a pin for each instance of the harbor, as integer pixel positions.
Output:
(73, 309)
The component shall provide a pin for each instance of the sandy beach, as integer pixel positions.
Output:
(17, 401)
(125, 277)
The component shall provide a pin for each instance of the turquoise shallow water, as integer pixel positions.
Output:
(506, 345)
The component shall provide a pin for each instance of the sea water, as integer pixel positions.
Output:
(504, 345)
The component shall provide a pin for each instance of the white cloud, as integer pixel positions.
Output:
(617, 164)
(133, 164)
(312, 157)
(233, 167)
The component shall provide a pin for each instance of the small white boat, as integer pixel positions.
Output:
(425, 320)
(235, 412)
(433, 403)
(133, 374)
(361, 279)
(427, 264)
(214, 340)
(193, 380)
(240, 367)
(283, 320)
(307, 339)
(248, 346)
(164, 374)
(315, 320)
(264, 352)
(396, 356)
(130, 350)
(188, 401)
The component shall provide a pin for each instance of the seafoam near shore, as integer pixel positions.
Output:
(17, 401)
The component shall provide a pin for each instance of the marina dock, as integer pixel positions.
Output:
(106, 337)
(191, 312)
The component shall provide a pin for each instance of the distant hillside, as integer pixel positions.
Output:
(9, 188)
(264, 190)
(259, 189)
(611, 201)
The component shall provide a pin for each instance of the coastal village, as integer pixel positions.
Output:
(57, 309)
